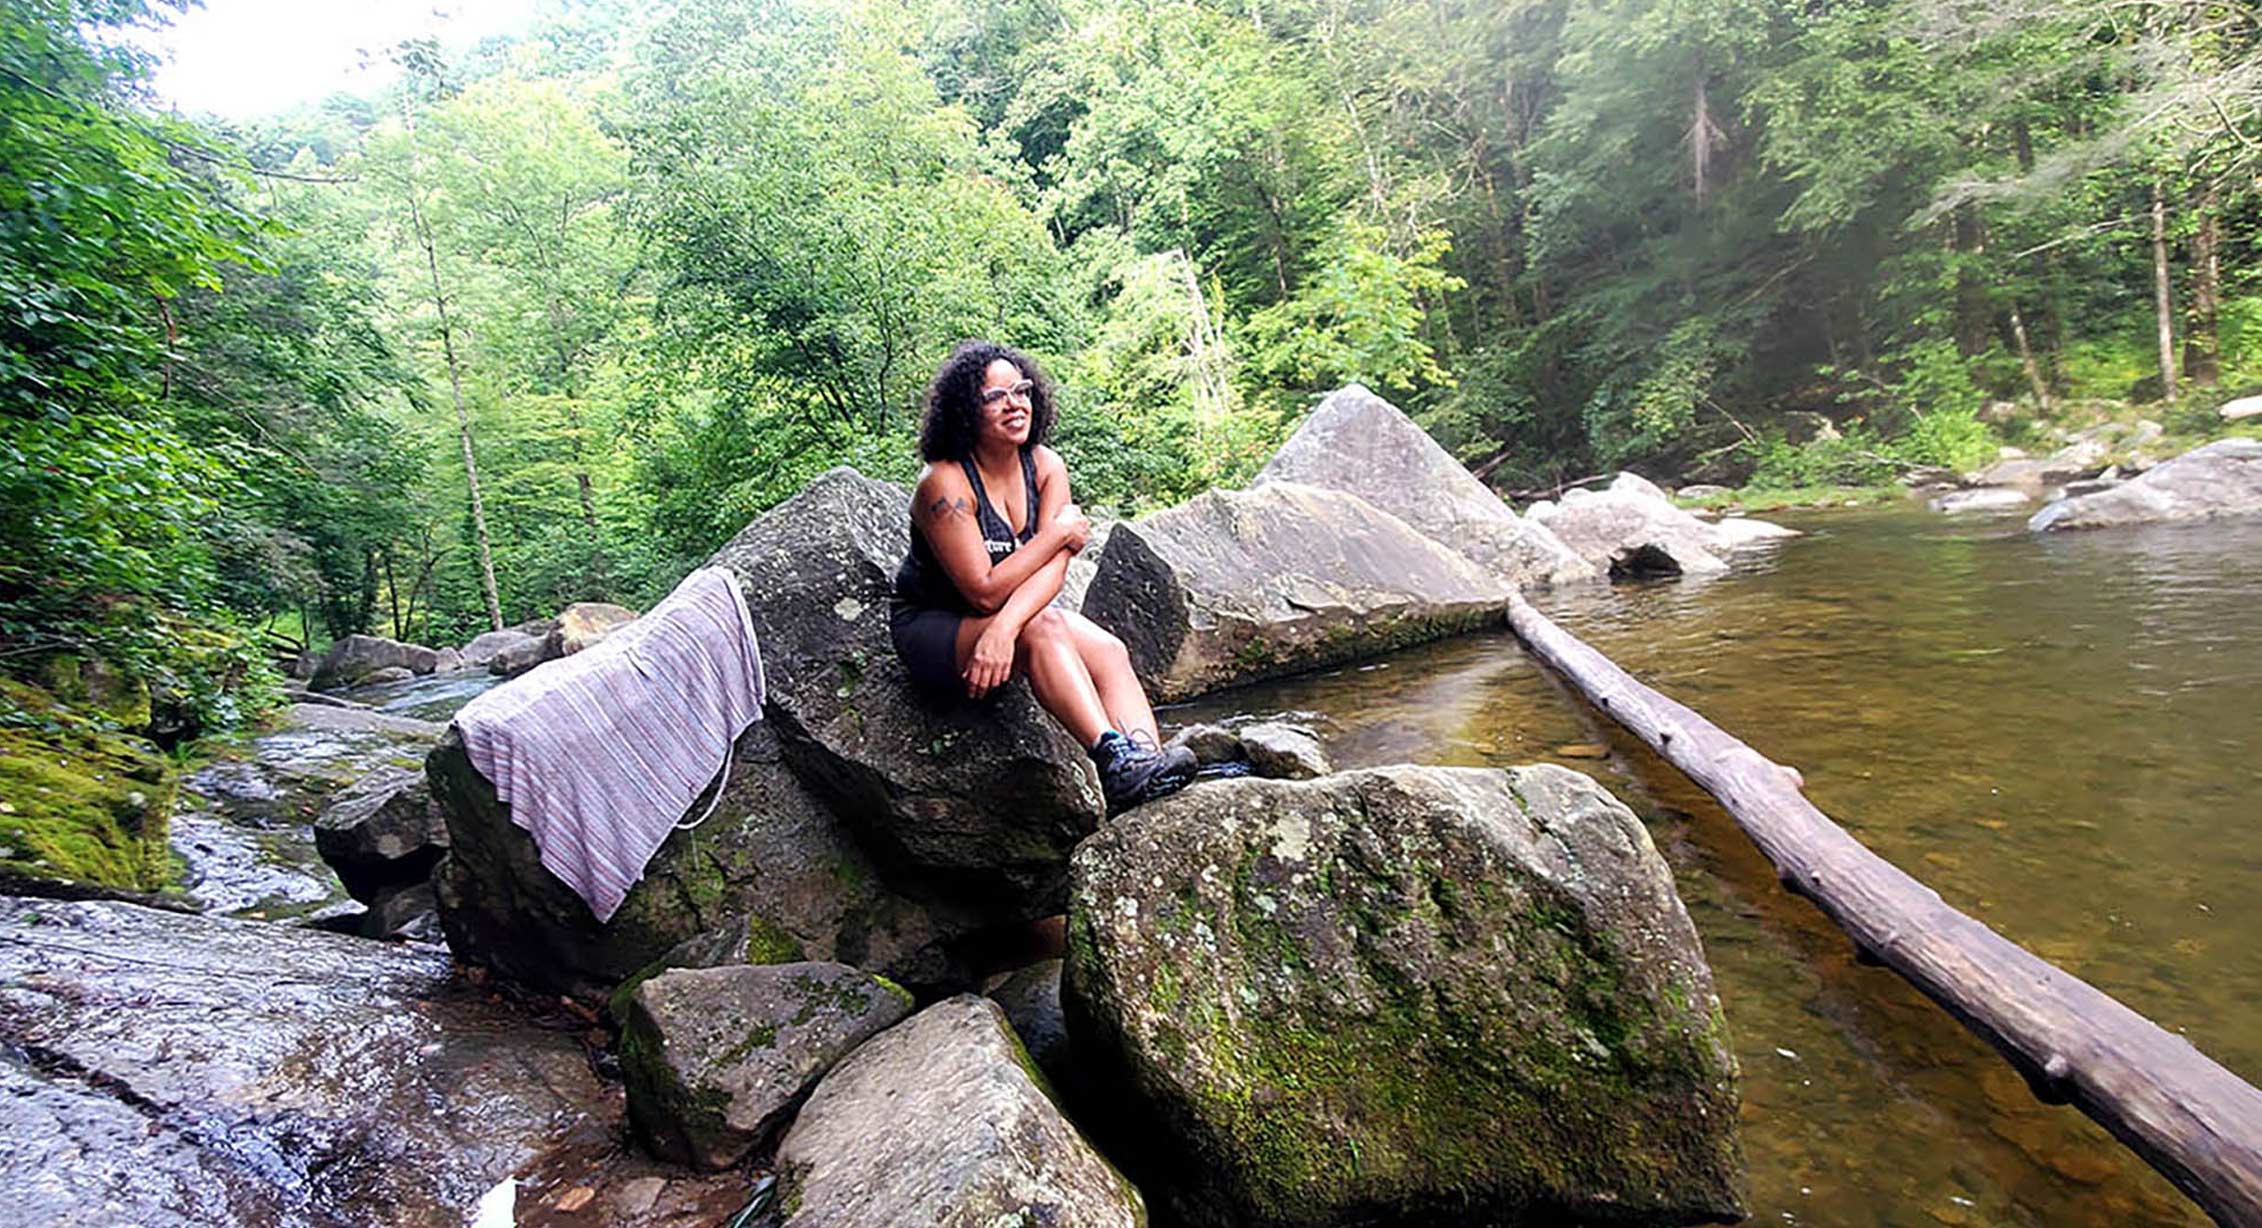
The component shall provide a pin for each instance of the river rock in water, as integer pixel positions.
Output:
(1405, 995)
(382, 832)
(1633, 530)
(198, 1071)
(1984, 499)
(1357, 442)
(1233, 586)
(772, 859)
(980, 801)
(582, 625)
(938, 1121)
(355, 657)
(717, 1058)
(2223, 478)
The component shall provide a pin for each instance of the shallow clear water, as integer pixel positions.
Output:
(2058, 733)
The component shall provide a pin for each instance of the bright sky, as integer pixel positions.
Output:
(247, 58)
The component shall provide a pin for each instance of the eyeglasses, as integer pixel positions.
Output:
(1022, 392)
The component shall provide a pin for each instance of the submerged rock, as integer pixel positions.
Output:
(197, 1071)
(2223, 478)
(977, 801)
(1234, 586)
(1355, 441)
(939, 1121)
(1405, 995)
(717, 1058)
(772, 859)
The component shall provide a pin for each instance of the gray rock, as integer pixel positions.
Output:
(772, 858)
(938, 1121)
(195, 1071)
(1084, 566)
(1632, 530)
(1984, 499)
(2147, 431)
(1354, 441)
(584, 624)
(382, 832)
(2223, 478)
(517, 657)
(2243, 407)
(1030, 998)
(1404, 995)
(447, 661)
(355, 657)
(387, 675)
(409, 912)
(484, 648)
(1281, 751)
(716, 1059)
(1210, 744)
(1702, 490)
(1238, 585)
(979, 801)
(1737, 532)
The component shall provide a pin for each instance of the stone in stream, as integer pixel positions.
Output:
(979, 802)
(382, 832)
(1984, 499)
(716, 1058)
(584, 624)
(488, 645)
(941, 1120)
(1234, 586)
(2223, 478)
(355, 657)
(772, 861)
(1355, 441)
(1282, 751)
(197, 1071)
(1210, 744)
(1632, 530)
(1404, 994)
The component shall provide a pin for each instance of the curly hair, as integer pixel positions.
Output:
(953, 416)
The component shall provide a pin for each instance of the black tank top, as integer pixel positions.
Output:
(922, 582)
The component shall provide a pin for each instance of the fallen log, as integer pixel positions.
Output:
(2187, 1116)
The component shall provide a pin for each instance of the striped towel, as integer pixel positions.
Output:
(600, 753)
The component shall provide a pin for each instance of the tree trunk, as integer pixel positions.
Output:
(2191, 1119)
(1968, 241)
(2163, 302)
(2201, 349)
(2026, 359)
(463, 416)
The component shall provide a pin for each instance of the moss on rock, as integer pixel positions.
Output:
(79, 802)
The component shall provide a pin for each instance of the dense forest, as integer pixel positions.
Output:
(551, 317)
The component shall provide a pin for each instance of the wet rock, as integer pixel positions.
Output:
(772, 858)
(1210, 744)
(383, 831)
(287, 1073)
(1328, 1000)
(977, 801)
(354, 658)
(716, 1059)
(406, 913)
(1354, 441)
(583, 625)
(1282, 751)
(1737, 532)
(938, 1121)
(2223, 478)
(1030, 998)
(514, 659)
(448, 662)
(484, 648)
(1239, 585)
(389, 674)
(1984, 499)
(1631, 530)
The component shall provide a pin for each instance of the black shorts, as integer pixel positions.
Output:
(927, 642)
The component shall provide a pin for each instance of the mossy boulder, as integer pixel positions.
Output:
(94, 686)
(716, 1059)
(942, 1119)
(1400, 996)
(1237, 585)
(772, 857)
(976, 802)
(79, 802)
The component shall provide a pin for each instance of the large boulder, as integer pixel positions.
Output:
(940, 1120)
(1404, 995)
(979, 802)
(1632, 530)
(1357, 442)
(487, 645)
(193, 1071)
(2223, 478)
(382, 832)
(582, 625)
(354, 658)
(716, 1059)
(1233, 586)
(772, 860)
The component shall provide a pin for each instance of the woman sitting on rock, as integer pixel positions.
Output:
(992, 530)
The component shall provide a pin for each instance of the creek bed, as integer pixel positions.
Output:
(2057, 732)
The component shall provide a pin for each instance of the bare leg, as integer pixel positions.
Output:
(1047, 654)
(1109, 664)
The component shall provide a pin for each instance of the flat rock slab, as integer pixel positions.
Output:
(1234, 586)
(1355, 441)
(716, 1059)
(1984, 499)
(2223, 478)
(1403, 995)
(203, 1071)
(938, 1121)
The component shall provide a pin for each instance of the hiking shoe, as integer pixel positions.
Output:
(1132, 772)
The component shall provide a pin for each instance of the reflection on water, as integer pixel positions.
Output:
(2058, 733)
(429, 697)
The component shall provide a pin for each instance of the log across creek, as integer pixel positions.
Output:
(2187, 1116)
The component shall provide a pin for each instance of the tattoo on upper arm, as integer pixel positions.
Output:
(945, 507)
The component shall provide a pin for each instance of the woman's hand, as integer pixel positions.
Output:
(1074, 527)
(992, 662)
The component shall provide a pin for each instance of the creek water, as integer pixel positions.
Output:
(2057, 732)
